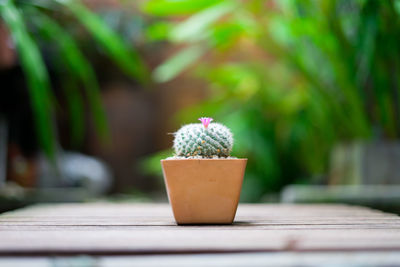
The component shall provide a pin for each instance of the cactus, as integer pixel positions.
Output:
(204, 139)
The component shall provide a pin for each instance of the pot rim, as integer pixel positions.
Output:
(206, 159)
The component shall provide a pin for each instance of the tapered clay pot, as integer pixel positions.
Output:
(204, 191)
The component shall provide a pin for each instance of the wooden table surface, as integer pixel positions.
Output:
(122, 229)
(105, 228)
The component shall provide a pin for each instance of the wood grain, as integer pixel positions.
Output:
(130, 229)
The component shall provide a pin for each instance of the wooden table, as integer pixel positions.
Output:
(111, 234)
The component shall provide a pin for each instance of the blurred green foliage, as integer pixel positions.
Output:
(35, 22)
(291, 78)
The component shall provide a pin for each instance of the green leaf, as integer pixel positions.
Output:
(158, 31)
(80, 69)
(194, 28)
(76, 111)
(151, 164)
(126, 58)
(36, 76)
(175, 7)
(177, 63)
(225, 35)
(397, 6)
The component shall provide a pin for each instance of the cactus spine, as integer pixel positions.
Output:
(204, 139)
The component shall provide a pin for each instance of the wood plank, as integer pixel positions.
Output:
(124, 228)
(208, 260)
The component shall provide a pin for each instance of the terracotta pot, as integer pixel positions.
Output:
(204, 191)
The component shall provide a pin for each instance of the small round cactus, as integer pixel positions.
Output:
(204, 139)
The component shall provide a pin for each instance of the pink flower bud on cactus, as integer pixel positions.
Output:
(206, 121)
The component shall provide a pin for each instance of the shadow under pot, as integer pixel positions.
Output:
(204, 191)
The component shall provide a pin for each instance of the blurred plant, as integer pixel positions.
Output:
(290, 78)
(32, 21)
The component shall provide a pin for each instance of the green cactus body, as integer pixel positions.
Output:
(205, 140)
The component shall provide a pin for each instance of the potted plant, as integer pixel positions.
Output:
(203, 182)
